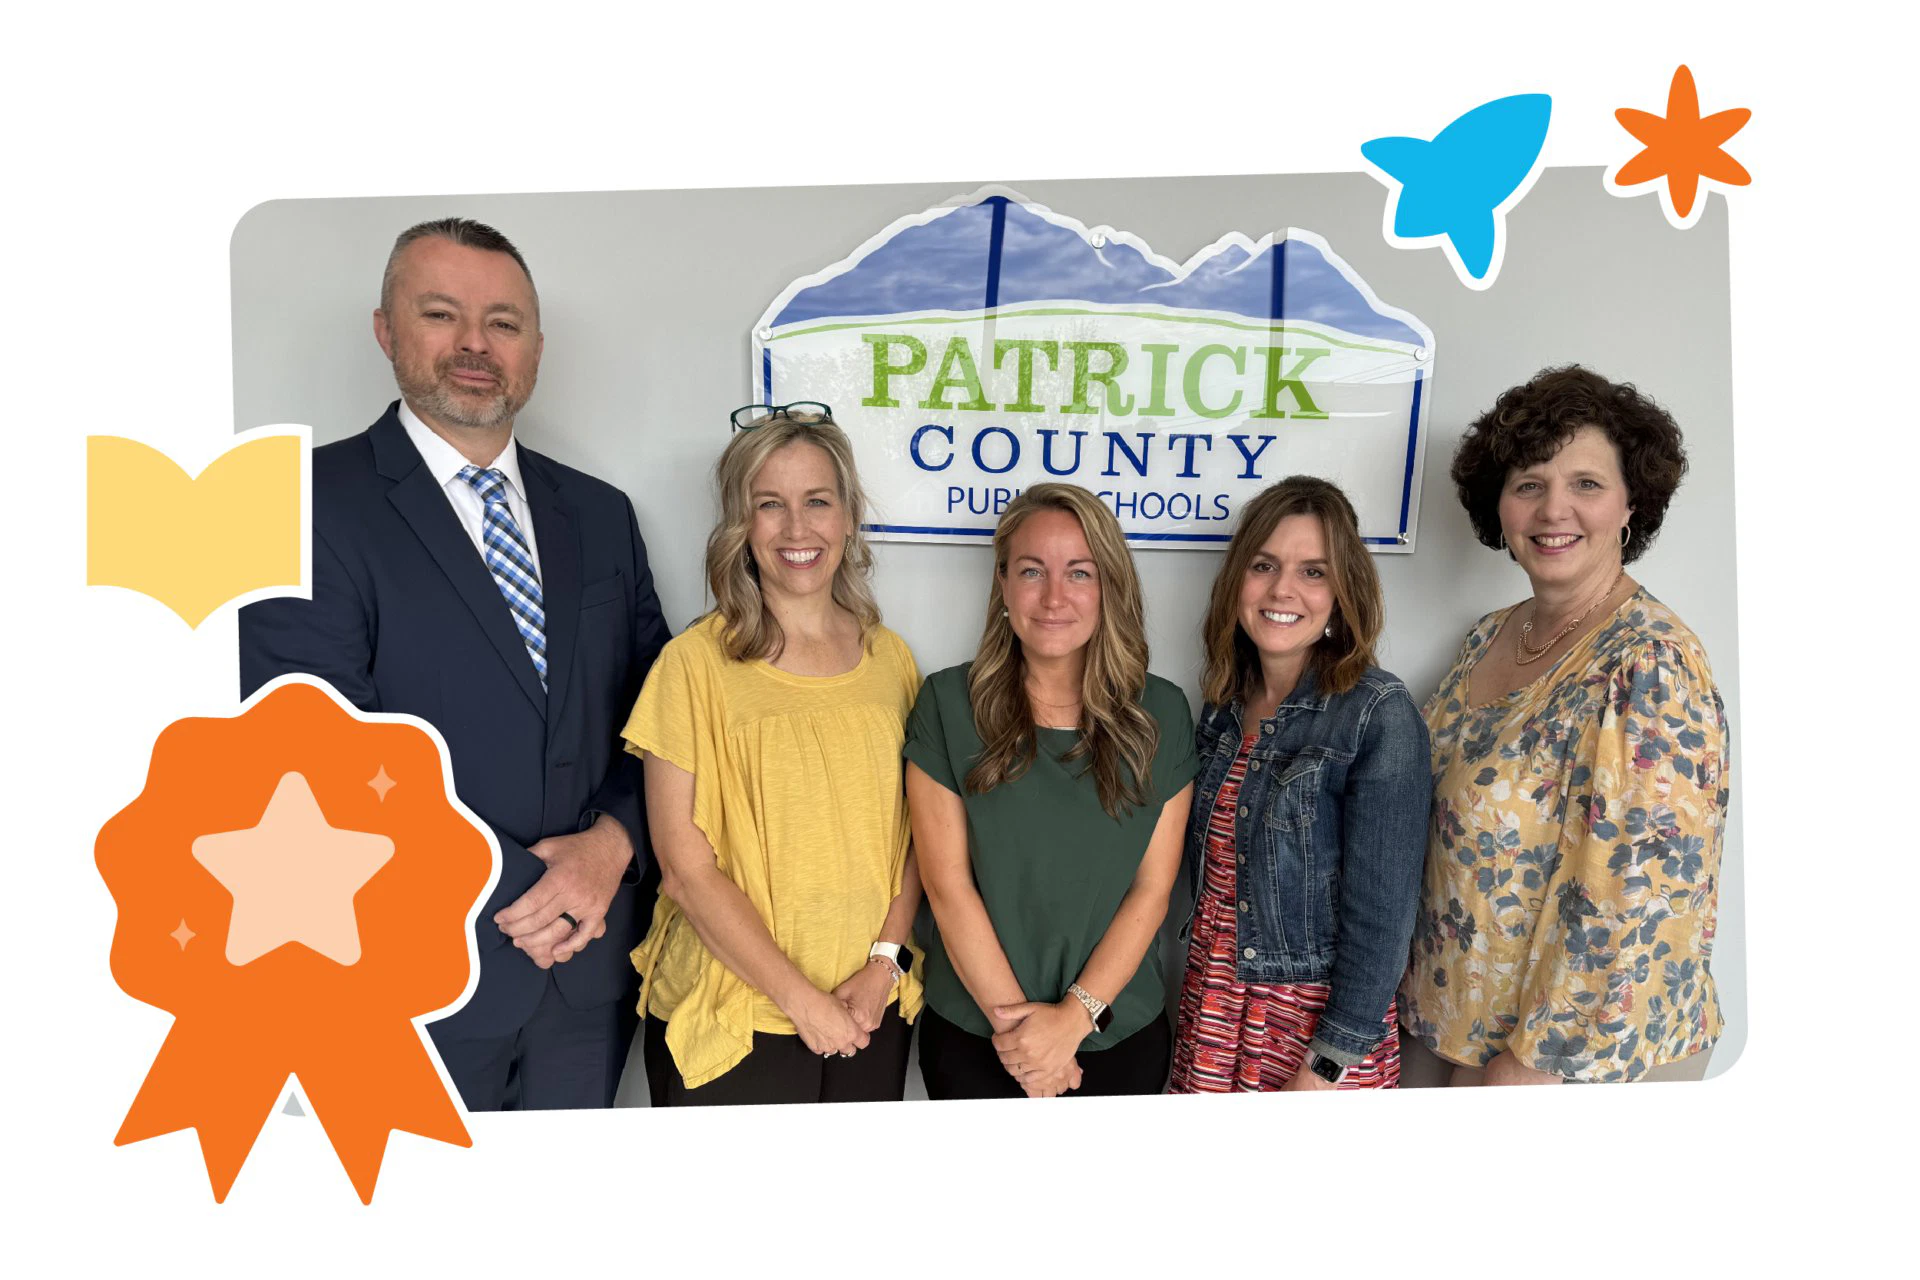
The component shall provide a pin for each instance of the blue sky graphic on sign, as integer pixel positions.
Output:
(990, 343)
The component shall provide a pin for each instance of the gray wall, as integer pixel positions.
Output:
(647, 298)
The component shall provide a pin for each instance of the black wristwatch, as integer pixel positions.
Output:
(1326, 1068)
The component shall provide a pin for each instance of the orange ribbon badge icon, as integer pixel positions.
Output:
(295, 885)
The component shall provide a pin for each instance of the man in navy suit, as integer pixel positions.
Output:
(506, 600)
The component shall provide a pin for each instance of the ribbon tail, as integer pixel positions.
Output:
(367, 1084)
(223, 1088)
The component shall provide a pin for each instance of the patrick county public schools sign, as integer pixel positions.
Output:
(989, 344)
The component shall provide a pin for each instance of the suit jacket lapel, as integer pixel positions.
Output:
(424, 506)
(558, 538)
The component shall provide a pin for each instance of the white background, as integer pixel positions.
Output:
(138, 138)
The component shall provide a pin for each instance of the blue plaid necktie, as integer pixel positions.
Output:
(511, 564)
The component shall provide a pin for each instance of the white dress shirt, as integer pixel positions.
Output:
(445, 462)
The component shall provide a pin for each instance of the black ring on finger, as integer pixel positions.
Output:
(571, 922)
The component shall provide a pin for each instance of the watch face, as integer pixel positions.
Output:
(1327, 1069)
(1105, 1019)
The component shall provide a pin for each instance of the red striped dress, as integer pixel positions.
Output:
(1237, 1037)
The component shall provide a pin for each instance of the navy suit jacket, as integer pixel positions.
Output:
(405, 616)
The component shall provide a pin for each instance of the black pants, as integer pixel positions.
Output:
(561, 1059)
(959, 1064)
(782, 1069)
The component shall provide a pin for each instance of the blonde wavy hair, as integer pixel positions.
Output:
(1232, 663)
(1118, 738)
(733, 579)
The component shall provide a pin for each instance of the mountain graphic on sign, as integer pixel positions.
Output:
(988, 343)
(994, 251)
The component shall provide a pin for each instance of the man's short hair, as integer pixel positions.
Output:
(462, 231)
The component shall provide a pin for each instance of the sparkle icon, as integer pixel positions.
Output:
(381, 783)
(183, 935)
(293, 877)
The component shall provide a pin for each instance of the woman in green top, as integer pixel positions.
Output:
(1048, 782)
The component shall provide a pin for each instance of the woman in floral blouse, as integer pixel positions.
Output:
(1580, 769)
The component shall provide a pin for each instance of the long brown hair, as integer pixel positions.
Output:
(751, 630)
(1118, 738)
(1339, 660)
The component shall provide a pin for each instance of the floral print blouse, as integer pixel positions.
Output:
(1567, 911)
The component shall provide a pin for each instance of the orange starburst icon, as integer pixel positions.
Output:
(1682, 147)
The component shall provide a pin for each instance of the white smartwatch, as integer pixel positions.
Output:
(894, 954)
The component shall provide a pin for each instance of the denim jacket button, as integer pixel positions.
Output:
(1243, 904)
(1243, 811)
(1249, 953)
(1266, 728)
(1254, 765)
(1243, 859)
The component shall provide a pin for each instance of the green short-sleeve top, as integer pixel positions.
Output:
(1050, 864)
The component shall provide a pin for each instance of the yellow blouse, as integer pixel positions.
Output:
(1568, 908)
(797, 786)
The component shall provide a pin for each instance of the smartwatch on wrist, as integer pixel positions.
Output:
(1326, 1068)
(894, 954)
(1099, 1010)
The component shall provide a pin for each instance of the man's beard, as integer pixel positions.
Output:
(438, 397)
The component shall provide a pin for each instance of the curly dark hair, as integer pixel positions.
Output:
(1531, 422)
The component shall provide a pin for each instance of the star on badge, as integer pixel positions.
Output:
(293, 877)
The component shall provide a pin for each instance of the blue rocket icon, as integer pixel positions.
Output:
(1456, 188)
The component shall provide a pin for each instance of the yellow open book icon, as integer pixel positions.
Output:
(194, 543)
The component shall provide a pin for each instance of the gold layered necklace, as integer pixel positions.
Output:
(1524, 651)
(1053, 708)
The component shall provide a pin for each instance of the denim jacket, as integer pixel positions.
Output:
(1330, 840)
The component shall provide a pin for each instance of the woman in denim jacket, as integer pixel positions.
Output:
(1309, 821)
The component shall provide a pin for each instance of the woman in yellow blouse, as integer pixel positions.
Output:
(777, 968)
(1580, 769)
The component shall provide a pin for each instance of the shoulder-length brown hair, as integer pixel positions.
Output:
(1117, 736)
(733, 579)
(1339, 660)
